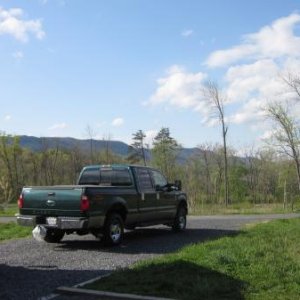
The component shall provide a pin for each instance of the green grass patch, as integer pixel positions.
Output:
(12, 231)
(8, 211)
(259, 263)
(245, 208)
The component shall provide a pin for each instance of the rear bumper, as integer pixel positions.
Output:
(61, 222)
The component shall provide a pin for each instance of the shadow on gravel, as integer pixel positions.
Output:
(156, 241)
(36, 281)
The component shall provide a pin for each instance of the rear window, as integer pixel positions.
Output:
(115, 177)
(107, 177)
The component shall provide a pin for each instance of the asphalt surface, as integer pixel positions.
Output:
(7, 219)
(33, 270)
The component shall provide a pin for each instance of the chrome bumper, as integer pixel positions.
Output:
(61, 222)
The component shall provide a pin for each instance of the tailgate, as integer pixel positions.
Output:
(52, 200)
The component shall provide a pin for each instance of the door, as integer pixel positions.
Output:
(166, 197)
(147, 195)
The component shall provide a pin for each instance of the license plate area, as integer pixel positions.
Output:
(52, 221)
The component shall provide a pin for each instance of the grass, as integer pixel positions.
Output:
(8, 211)
(12, 231)
(243, 208)
(262, 262)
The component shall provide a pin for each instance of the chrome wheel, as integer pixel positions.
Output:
(180, 219)
(115, 232)
(182, 222)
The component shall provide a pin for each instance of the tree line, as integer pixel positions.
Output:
(260, 176)
(214, 175)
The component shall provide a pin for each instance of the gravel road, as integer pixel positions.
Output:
(31, 270)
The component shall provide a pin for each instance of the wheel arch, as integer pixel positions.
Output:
(118, 207)
(182, 202)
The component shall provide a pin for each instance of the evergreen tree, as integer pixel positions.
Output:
(165, 150)
(137, 148)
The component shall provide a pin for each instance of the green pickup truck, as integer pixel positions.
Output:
(105, 200)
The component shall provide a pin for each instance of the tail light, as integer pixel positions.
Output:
(84, 203)
(21, 201)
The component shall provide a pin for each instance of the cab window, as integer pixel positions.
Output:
(158, 178)
(144, 179)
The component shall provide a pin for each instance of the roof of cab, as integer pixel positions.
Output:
(114, 166)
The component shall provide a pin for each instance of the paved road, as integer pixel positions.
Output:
(7, 219)
(31, 270)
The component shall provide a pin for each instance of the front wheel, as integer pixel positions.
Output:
(180, 219)
(113, 230)
(54, 235)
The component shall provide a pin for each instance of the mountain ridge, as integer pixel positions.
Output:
(37, 144)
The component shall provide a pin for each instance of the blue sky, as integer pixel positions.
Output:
(121, 66)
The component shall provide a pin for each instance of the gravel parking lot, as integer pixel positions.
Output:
(32, 270)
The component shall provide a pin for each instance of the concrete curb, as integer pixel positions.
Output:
(105, 295)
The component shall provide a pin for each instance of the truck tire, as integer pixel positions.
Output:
(54, 235)
(113, 230)
(180, 219)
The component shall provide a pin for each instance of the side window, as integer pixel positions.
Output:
(144, 179)
(90, 176)
(121, 178)
(158, 178)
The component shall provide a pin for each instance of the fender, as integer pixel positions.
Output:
(117, 203)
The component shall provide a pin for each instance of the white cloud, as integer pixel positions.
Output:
(117, 122)
(243, 80)
(253, 86)
(263, 56)
(7, 118)
(268, 134)
(58, 126)
(272, 41)
(251, 79)
(187, 33)
(18, 54)
(179, 88)
(13, 24)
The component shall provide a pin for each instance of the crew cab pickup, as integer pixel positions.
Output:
(105, 200)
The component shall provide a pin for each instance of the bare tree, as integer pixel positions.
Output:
(287, 136)
(90, 132)
(293, 82)
(108, 153)
(216, 100)
(205, 152)
(254, 169)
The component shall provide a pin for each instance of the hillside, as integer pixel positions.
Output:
(37, 144)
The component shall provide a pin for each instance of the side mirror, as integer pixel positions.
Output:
(178, 184)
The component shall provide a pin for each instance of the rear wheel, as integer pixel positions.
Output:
(113, 230)
(54, 235)
(180, 219)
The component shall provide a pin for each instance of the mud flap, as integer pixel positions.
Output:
(39, 233)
